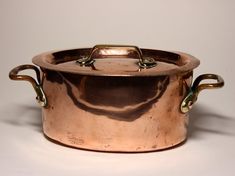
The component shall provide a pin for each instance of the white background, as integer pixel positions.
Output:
(203, 28)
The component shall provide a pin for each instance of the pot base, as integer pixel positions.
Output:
(172, 146)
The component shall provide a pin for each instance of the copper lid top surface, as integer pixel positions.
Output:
(113, 60)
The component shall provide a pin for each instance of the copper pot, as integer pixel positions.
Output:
(116, 98)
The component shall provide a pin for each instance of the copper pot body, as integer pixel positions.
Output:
(112, 105)
(121, 114)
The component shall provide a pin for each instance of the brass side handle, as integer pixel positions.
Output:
(196, 88)
(117, 50)
(41, 97)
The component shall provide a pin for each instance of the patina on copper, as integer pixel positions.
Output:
(116, 98)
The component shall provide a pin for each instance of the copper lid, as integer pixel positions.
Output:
(117, 60)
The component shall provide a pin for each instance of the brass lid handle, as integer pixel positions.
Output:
(117, 50)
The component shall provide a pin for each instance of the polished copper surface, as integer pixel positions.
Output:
(115, 113)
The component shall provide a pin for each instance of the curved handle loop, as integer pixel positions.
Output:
(191, 98)
(117, 50)
(41, 97)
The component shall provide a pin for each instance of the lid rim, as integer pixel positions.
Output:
(41, 60)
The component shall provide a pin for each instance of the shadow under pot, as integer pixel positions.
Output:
(116, 98)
